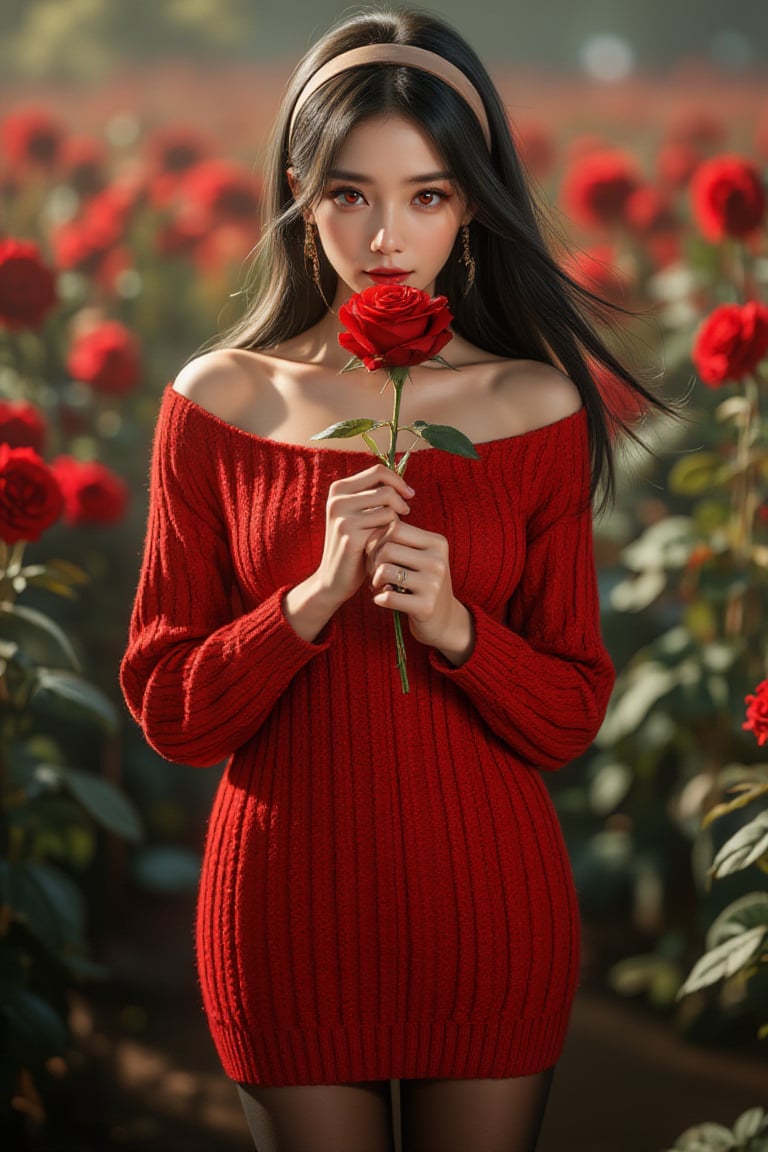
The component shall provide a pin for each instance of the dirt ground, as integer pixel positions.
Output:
(146, 1078)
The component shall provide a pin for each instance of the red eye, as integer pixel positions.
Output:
(435, 194)
(344, 196)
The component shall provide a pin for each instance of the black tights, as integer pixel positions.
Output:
(437, 1115)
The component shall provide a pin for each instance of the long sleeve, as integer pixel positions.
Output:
(542, 678)
(199, 675)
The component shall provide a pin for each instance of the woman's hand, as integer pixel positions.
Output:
(357, 506)
(409, 571)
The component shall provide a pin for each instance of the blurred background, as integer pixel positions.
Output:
(131, 139)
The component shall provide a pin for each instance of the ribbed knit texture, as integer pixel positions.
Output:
(385, 890)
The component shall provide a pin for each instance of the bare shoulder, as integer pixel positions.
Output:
(225, 381)
(535, 394)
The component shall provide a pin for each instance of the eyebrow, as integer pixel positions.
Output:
(359, 178)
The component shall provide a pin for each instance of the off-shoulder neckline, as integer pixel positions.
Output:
(316, 451)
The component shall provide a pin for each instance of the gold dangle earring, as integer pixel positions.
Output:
(467, 258)
(312, 257)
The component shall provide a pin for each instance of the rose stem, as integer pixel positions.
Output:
(398, 376)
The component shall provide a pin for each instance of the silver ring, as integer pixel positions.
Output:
(402, 576)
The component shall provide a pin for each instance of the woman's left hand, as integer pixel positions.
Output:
(409, 571)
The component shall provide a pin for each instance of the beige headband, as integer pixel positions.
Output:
(397, 54)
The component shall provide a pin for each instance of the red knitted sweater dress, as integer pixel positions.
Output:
(385, 890)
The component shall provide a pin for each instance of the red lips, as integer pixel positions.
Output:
(388, 275)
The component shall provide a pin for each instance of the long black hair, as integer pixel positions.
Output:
(522, 305)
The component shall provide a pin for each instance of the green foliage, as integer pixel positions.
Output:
(447, 438)
(749, 1134)
(690, 586)
(50, 813)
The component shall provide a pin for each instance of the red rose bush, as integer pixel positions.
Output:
(757, 713)
(394, 327)
(27, 285)
(93, 493)
(731, 342)
(107, 358)
(31, 499)
(597, 187)
(22, 425)
(728, 197)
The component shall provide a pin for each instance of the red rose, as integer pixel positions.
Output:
(107, 358)
(728, 197)
(93, 494)
(223, 192)
(32, 137)
(30, 496)
(597, 187)
(757, 713)
(177, 149)
(21, 425)
(85, 165)
(394, 326)
(649, 210)
(83, 245)
(27, 285)
(731, 342)
(180, 237)
(86, 243)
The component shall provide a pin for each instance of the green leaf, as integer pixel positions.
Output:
(665, 544)
(637, 592)
(448, 439)
(609, 786)
(441, 360)
(50, 584)
(637, 974)
(344, 429)
(750, 1123)
(67, 572)
(371, 443)
(746, 796)
(724, 961)
(744, 847)
(35, 1032)
(41, 639)
(58, 828)
(640, 688)
(66, 898)
(706, 1138)
(352, 364)
(105, 803)
(695, 474)
(48, 902)
(748, 911)
(734, 408)
(65, 694)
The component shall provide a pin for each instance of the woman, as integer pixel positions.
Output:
(385, 891)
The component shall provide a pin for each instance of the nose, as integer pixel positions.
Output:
(386, 236)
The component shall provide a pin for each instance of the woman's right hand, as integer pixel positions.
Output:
(357, 506)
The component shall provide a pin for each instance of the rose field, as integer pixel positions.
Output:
(127, 215)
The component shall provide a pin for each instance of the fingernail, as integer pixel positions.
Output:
(409, 490)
